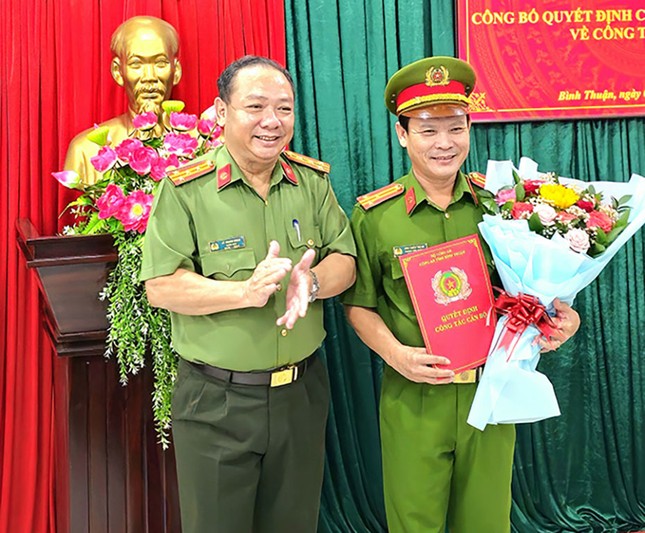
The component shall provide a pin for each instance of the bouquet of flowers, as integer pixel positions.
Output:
(550, 237)
(119, 204)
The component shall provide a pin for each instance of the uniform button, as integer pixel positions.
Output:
(447, 215)
(279, 287)
(310, 242)
(283, 332)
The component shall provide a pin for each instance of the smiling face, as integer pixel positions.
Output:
(146, 69)
(437, 147)
(258, 119)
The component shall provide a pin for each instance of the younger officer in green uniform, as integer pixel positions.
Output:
(436, 468)
(240, 247)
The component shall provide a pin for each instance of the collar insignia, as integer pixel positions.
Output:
(223, 176)
(410, 200)
(288, 172)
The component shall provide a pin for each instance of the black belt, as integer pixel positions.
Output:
(274, 378)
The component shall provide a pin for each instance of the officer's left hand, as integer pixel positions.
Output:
(298, 291)
(567, 322)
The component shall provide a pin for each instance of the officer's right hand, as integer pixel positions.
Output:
(418, 366)
(266, 277)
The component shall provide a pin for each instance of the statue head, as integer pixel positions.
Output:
(145, 62)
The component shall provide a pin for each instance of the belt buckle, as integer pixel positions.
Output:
(467, 376)
(284, 376)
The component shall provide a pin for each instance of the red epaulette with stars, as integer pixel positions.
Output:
(307, 161)
(369, 200)
(477, 178)
(191, 171)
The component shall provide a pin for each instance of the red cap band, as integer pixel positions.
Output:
(453, 91)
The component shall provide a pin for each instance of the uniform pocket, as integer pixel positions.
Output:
(229, 265)
(303, 236)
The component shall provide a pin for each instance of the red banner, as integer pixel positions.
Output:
(549, 59)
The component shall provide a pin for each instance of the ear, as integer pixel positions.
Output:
(402, 135)
(178, 72)
(220, 111)
(115, 68)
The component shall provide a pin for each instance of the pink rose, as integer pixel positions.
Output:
(532, 186)
(578, 240)
(136, 210)
(564, 217)
(180, 144)
(104, 160)
(183, 121)
(587, 205)
(505, 195)
(141, 160)
(546, 213)
(126, 148)
(110, 202)
(145, 121)
(521, 210)
(598, 219)
(160, 167)
(69, 179)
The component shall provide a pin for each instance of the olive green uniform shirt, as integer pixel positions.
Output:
(223, 232)
(383, 228)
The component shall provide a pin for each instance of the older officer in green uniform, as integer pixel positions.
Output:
(241, 247)
(437, 470)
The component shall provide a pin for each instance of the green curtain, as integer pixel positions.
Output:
(583, 471)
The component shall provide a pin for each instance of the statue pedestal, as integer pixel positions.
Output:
(111, 475)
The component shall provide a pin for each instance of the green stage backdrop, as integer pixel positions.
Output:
(581, 472)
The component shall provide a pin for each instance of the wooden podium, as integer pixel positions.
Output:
(111, 475)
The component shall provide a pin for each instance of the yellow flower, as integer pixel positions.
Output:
(558, 195)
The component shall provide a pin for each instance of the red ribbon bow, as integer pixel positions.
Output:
(522, 311)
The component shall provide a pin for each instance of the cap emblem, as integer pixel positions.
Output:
(437, 76)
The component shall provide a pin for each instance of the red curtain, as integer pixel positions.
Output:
(54, 82)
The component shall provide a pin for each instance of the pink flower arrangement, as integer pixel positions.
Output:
(69, 179)
(180, 144)
(183, 121)
(580, 215)
(104, 160)
(135, 211)
(145, 121)
(110, 202)
(121, 201)
(126, 148)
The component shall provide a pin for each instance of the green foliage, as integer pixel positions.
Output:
(135, 328)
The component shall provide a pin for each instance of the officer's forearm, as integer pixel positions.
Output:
(189, 293)
(373, 331)
(335, 273)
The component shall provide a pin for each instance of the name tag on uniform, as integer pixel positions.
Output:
(232, 243)
(408, 248)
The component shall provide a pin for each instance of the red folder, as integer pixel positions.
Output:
(453, 300)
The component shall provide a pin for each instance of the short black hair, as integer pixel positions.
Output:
(404, 121)
(227, 77)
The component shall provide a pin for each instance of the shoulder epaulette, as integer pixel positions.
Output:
(307, 161)
(189, 172)
(477, 178)
(379, 196)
